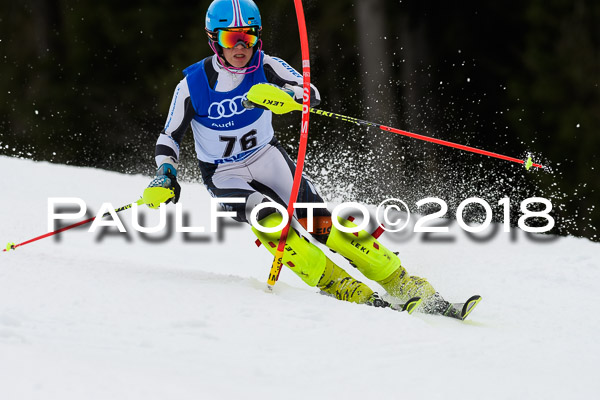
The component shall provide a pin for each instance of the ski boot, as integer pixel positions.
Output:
(376, 301)
(312, 266)
(338, 283)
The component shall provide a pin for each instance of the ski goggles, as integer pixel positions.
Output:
(229, 38)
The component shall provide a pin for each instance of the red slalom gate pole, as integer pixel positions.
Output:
(278, 260)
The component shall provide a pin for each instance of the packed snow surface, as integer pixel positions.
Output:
(115, 316)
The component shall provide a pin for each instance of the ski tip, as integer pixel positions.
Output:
(469, 306)
(412, 304)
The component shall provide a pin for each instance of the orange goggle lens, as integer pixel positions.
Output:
(230, 38)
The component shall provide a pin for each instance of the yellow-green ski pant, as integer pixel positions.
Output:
(376, 262)
(310, 264)
(366, 253)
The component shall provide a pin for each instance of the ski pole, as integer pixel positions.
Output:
(278, 260)
(279, 102)
(12, 246)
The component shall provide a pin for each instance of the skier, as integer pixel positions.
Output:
(240, 157)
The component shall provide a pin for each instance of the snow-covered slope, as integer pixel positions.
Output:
(118, 317)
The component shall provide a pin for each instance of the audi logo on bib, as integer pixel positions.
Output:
(227, 108)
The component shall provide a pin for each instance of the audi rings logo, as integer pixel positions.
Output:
(227, 108)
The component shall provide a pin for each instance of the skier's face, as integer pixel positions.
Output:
(239, 56)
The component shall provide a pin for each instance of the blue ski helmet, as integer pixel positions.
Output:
(223, 14)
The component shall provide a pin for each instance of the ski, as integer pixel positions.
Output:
(378, 302)
(409, 306)
(462, 310)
